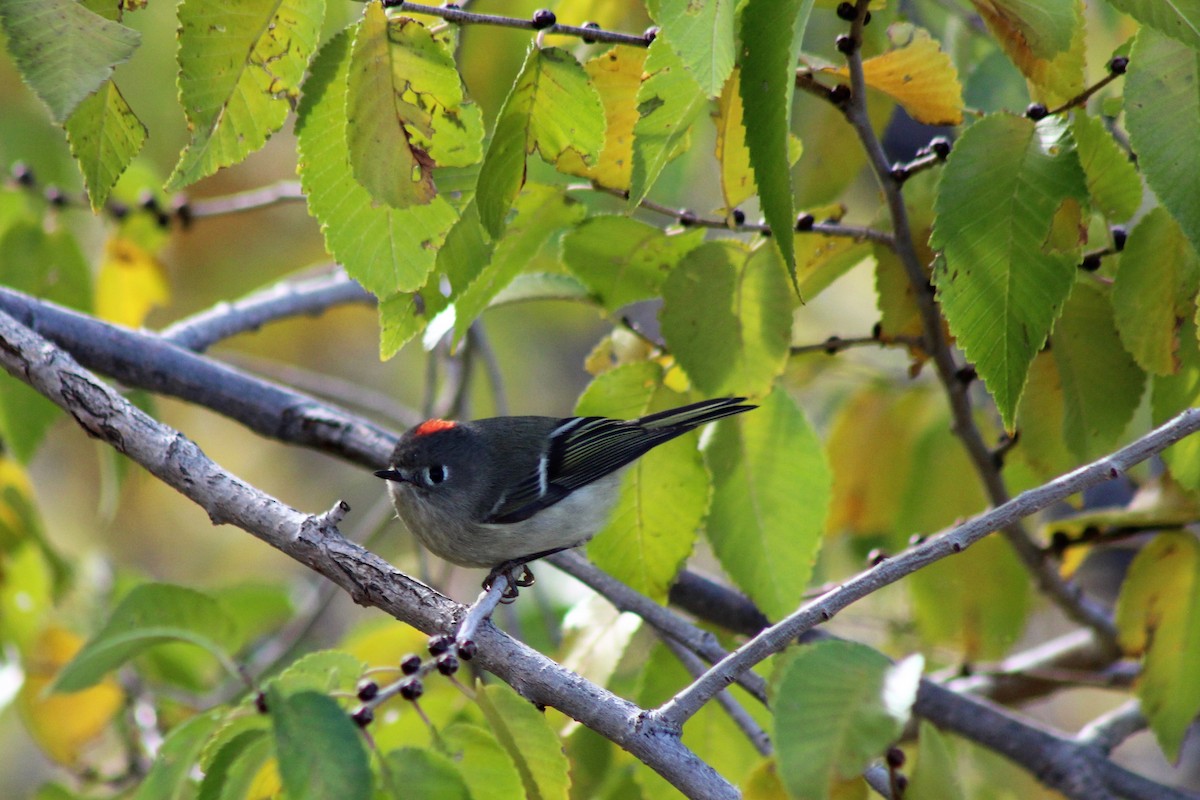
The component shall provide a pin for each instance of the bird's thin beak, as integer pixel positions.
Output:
(389, 474)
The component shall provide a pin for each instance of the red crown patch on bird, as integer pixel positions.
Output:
(433, 426)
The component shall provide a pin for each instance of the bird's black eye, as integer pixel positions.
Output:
(435, 474)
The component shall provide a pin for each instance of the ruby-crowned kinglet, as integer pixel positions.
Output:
(505, 491)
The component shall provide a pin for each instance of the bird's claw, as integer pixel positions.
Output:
(516, 574)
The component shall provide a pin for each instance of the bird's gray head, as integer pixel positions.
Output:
(434, 460)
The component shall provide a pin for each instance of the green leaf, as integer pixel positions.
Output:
(701, 34)
(1158, 617)
(170, 776)
(1162, 112)
(532, 744)
(668, 101)
(240, 67)
(664, 494)
(727, 317)
(622, 260)
(50, 266)
(405, 110)
(1152, 291)
(424, 774)
(401, 317)
(385, 249)
(320, 750)
(63, 50)
(323, 671)
(768, 80)
(1113, 181)
(1008, 216)
(541, 286)
(1169, 395)
(1102, 385)
(236, 765)
(486, 768)
(152, 613)
(1179, 19)
(771, 490)
(552, 108)
(105, 135)
(935, 776)
(837, 705)
(541, 213)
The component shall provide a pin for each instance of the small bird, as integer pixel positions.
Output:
(504, 491)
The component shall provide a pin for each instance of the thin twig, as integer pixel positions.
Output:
(1109, 730)
(933, 549)
(263, 197)
(457, 15)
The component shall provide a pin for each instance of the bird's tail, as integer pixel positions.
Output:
(696, 414)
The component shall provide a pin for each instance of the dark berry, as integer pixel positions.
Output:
(1059, 542)
(362, 716)
(1036, 111)
(966, 374)
(447, 664)
(739, 217)
(410, 664)
(118, 210)
(260, 702)
(147, 200)
(876, 557)
(895, 757)
(766, 231)
(55, 196)
(805, 222)
(846, 11)
(877, 331)
(594, 26)
(1119, 235)
(22, 174)
(412, 688)
(844, 44)
(899, 173)
(467, 650)
(1118, 65)
(451, 6)
(183, 211)
(440, 644)
(956, 547)
(651, 34)
(687, 219)
(367, 689)
(840, 94)
(543, 18)
(901, 783)
(1090, 263)
(940, 146)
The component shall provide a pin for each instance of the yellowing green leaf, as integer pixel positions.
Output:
(1045, 40)
(617, 76)
(668, 101)
(64, 50)
(1179, 20)
(664, 495)
(701, 35)
(1152, 291)
(1113, 181)
(936, 775)
(553, 109)
(62, 724)
(919, 76)
(240, 68)
(130, 283)
(104, 135)
(770, 498)
(530, 741)
(1158, 617)
(1169, 395)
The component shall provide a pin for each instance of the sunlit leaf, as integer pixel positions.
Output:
(485, 767)
(1158, 617)
(1004, 277)
(837, 705)
(170, 776)
(702, 36)
(1045, 39)
(668, 101)
(63, 50)
(1179, 19)
(524, 732)
(919, 76)
(1113, 181)
(130, 283)
(240, 68)
(105, 134)
(552, 109)
(770, 497)
(664, 495)
(737, 176)
(385, 249)
(1171, 394)
(936, 774)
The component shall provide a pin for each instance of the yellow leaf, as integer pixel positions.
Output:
(918, 76)
(62, 724)
(266, 784)
(737, 176)
(130, 283)
(616, 75)
(1158, 616)
(1052, 81)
